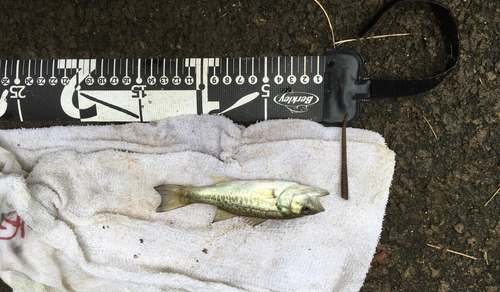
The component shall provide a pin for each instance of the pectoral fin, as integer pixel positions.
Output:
(253, 220)
(223, 215)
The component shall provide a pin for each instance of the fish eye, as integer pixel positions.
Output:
(306, 210)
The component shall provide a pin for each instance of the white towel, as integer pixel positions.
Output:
(81, 213)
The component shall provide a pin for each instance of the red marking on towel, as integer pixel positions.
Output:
(18, 224)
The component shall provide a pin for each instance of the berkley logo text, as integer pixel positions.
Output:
(296, 102)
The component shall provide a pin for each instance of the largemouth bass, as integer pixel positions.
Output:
(258, 200)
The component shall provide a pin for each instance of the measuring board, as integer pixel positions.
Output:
(141, 90)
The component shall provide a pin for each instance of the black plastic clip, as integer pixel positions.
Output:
(344, 87)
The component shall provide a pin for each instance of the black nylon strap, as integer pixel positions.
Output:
(400, 87)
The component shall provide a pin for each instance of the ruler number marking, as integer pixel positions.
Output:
(214, 80)
(252, 79)
(53, 81)
(151, 80)
(89, 80)
(278, 79)
(265, 90)
(29, 81)
(304, 79)
(318, 79)
(240, 80)
(189, 80)
(64, 80)
(114, 80)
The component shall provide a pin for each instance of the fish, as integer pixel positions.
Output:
(256, 200)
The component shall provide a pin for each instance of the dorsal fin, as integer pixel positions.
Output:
(223, 215)
(219, 179)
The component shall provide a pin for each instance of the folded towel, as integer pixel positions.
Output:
(81, 208)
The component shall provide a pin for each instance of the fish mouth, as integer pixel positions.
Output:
(314, 201)
(322, 193)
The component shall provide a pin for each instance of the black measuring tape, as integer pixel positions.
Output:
(126, 90)
(318, 88)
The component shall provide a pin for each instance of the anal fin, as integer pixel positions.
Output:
(223, 215)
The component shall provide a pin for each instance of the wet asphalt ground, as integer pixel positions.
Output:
(447, 141)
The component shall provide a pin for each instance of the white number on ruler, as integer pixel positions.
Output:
(318, 79)
(40, 81)
(265, 90)
(278, 79)
(29, 80)
(189, 80)
(151, 80)
(304, 79)
(164, 80)
(240, 79)
(89, 80)
(214, 80)
(114, 80)
(291, 79)
(17, 91)
(227, 80)
(252, 79)
(176, 80)
(65, 81)
(126, 80)
(52, 80)
(101, 80)
(5, 81)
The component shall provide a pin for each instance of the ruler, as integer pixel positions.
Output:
(320, 88)
(140, 90)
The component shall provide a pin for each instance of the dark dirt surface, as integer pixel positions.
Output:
(440, 185)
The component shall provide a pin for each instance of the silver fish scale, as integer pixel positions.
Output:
(242, 199)
(249, 211)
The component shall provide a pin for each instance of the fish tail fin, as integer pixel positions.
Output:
(172, 197)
